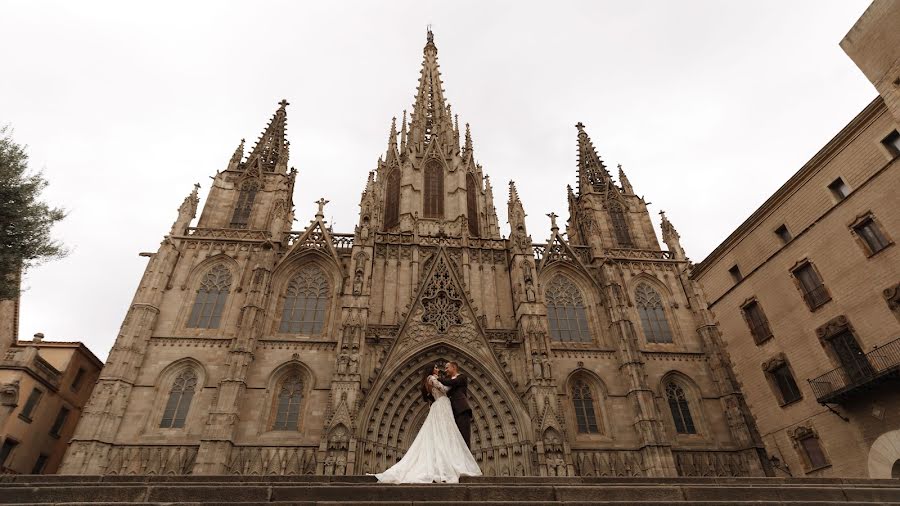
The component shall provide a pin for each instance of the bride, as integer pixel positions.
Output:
(439, 453)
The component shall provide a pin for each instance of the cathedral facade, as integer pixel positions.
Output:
(253, 349)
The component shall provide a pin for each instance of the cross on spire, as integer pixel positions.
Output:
(321, 202)
(553, 217)
(284, 103)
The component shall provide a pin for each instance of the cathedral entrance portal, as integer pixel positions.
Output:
(394, 411)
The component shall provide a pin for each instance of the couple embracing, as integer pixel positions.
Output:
(440, 453)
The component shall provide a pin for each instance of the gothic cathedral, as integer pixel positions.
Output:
(253, 349)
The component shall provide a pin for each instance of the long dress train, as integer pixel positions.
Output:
(439, 453)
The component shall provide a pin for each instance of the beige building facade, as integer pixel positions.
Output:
(43, 388)
(253, 349)
(807, 289)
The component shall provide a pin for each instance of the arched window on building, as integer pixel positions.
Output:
(306, 302)
(286, 415)
(434, 190)
(472, 204)
(566, 311)
(392, 200)
(585, 411)
(620, 225)
(211, 297)
(179, 401)
(681, 409)
(653, 315)
(244, 204)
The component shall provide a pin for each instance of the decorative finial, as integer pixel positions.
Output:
(284, 103)
(196, 186)
(321, 202)
(553, 217)
(579, 125)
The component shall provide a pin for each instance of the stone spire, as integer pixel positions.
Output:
(236, 158)
(430, 116)
(592, 173)
(271, 151)
(627, 189)
(393, 154)
(403, 134)
(515, 210)
(186, 212)
(671, 238)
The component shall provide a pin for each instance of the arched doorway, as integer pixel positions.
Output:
(394, 411)
(884, 456)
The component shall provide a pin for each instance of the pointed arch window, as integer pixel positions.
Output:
(585, 412)
(472, 204)
(305, 302)
(287, 405)
(653, 315)
(434, 190)
(244, 204)
(180, 397)
(566, 311)
(392, 200)
(620, 225)
(681, 409)
(211, 297)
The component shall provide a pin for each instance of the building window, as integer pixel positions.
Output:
(244, 204)
(736, 275)
(392, 200)
(811, 286)
(757, 321)
(892, 143)
(787, 387)
(472, 204)
(287, 408)
(784, 234)
(305, 302)
(39, 464)
(839, 189)
(61, 418)
(781, 379)
(585, 412)
(79, 377)
(653, 315)
(434, 190)
(566, 311)
(180, 397)
(620, 225)
(33, 399)
(9, 444)
(681, 410)
(870, 235)
(808, 445)
(211, 297)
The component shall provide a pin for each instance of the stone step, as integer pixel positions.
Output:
(199, 490)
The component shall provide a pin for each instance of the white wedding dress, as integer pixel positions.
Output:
(439, 453)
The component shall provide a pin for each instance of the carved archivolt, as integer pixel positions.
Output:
(392, 412)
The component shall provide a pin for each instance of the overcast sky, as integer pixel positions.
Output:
(710, 107)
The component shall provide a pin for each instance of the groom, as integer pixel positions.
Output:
(459, 387)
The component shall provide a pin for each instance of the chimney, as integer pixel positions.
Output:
(38, 337)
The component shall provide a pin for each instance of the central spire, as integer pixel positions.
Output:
(431, 115)
(271, 150)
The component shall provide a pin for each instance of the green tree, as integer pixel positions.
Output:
(25, 220)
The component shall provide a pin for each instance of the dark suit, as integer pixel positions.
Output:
(459, 402)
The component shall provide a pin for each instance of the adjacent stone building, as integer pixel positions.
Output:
(43, 388)
(807, 289)
(253, 349)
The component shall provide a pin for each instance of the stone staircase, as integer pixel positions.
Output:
(320, 490)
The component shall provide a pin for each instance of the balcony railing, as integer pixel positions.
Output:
(816, 296)
(866, 370)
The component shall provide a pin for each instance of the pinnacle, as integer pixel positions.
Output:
(271, 150)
